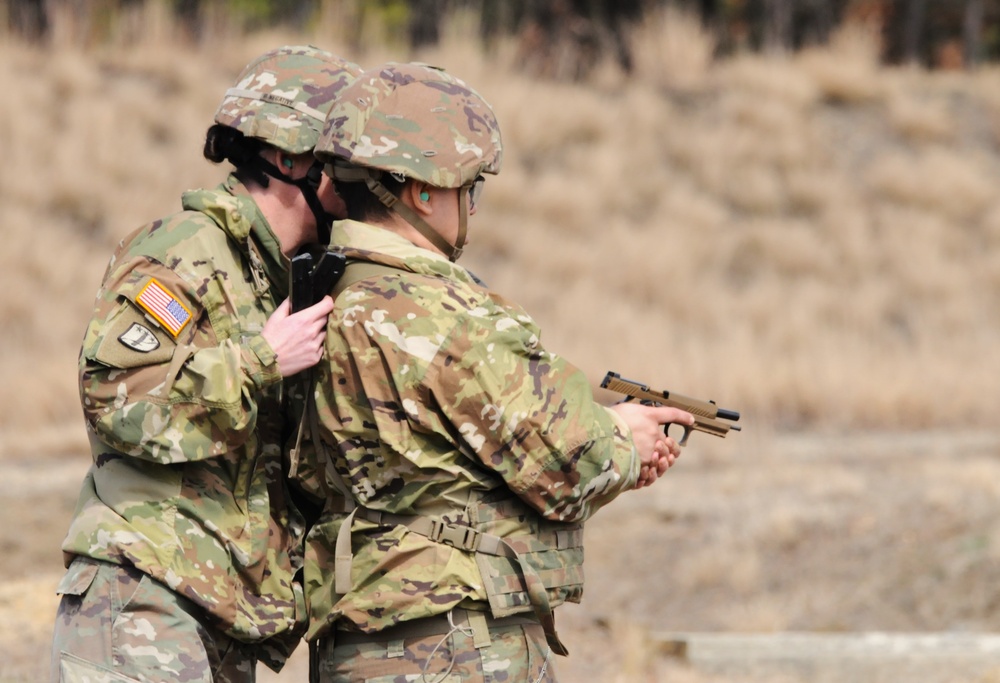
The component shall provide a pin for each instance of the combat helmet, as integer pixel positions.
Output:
(412, 121)
(281, 99)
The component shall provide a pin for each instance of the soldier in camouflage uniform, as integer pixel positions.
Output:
(184, 547)
(458, 457)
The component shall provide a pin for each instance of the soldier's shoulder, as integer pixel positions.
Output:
(179, 236)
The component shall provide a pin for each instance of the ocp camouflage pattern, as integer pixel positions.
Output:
(515, 655)
(377, 125)
(435, 398)
(119, 626)
(298, 76)
(187, 483)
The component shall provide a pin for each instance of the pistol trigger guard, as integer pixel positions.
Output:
(684, 437)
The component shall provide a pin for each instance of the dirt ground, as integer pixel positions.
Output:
(757, 533)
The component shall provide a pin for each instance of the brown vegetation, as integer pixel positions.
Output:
(812, 240)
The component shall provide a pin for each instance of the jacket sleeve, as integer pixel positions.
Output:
(531, 417)
(155, 382)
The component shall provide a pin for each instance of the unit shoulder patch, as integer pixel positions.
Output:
(140, 338)
(129, 339)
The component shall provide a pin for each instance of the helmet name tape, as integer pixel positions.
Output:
(271, 98)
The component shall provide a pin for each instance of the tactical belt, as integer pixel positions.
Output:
(433, 626)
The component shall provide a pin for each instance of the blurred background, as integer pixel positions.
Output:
(791, 207)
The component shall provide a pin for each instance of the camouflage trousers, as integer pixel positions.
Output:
(117, 625)
(464, 653)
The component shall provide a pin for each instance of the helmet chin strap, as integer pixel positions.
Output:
(393, 203)
(309, 187)
(347, 172)
(310, 190)
(463, 220)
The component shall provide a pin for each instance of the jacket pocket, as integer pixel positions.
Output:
(72, 669)
(78, 578)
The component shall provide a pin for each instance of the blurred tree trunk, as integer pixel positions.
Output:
(972, 31)
(28, 19)
(613, 20)
(777, 25)
(300, 13)
(815, 20)
(499, 18)
(708, 10)
(424, 25)
(189, 19)
(913, 28)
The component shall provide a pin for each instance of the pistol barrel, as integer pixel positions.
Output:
(731, 415)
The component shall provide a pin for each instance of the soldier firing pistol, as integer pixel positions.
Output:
(708, 417)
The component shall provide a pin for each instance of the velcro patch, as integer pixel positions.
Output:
(140, 338)
(156, 300)
(124, 340)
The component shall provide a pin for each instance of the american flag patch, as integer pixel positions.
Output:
(162, 305)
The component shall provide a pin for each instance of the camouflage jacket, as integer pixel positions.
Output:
(181, 397)
(437, 399)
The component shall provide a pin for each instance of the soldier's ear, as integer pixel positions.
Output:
(420, 197)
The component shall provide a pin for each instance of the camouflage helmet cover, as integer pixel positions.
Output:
(282, 97)
(414, 120)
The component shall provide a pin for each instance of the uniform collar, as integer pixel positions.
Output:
(235, 212)
(373, 243)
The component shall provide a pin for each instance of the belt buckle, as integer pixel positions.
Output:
(455, 535)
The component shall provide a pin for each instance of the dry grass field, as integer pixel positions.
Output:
(813, 240)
